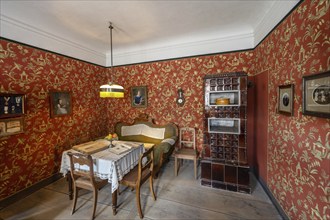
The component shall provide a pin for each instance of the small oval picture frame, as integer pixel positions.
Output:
(285, 99)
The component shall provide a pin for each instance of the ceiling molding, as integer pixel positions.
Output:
(273, 17)
(27, 34)
(219, 45)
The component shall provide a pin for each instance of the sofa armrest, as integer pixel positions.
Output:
(159, 150)
(170, 140)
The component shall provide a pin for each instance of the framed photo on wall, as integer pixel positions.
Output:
(285, 99)
(316, 95)
(10, 126)
(60, 103)
(12, 105)
(139, 96)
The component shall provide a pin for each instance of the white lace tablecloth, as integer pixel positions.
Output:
(108, 165)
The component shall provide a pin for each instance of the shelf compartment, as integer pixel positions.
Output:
(224, 125)
(233, 96)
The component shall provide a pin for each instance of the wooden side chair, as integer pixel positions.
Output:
(187, 149)
(141, 173)
(84, 179)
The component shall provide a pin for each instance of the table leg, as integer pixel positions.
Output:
(114, 202)
(70, 189)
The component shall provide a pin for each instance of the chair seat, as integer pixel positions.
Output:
(84, 182)
(132, 177)
(186, 153)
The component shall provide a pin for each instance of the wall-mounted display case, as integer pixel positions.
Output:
(224, 159)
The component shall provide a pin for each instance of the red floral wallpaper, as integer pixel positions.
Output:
(298, 165)
(163, 80)
(35, 155)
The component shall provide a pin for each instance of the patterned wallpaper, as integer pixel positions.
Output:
(35, 155)
(298, 147)
(163, 80)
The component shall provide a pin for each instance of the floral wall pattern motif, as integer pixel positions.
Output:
(35, 155)
(298, 148)
(163, 80)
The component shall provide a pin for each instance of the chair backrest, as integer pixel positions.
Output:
(146, 165)
(187, 138)
(82, 160)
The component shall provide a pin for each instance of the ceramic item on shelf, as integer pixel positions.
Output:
(222, 101)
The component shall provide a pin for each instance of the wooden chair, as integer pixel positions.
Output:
(141, 173)
(84, 179)
(187, 149)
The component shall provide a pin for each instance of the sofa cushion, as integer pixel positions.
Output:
(143, 132)
(170, 141)
(142, 129)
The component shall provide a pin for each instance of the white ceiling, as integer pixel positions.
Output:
(143, 30)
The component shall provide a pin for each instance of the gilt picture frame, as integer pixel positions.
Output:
(286, 99)
(316, 94)
(11, 126)
(12, 105)
(139, 96)
(60, 103)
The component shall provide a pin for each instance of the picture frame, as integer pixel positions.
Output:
(316, 94)
(139, 96)
(12, 105)
(11, 126)
(60, 103)
(286, 99)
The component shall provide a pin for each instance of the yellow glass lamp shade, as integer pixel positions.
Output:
(111, 91)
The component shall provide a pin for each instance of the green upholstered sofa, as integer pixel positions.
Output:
(144, 130)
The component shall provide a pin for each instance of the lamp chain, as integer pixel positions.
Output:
(111, 55)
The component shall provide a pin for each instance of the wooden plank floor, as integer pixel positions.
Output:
(180, 197)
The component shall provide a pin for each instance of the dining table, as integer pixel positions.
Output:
(107, 163)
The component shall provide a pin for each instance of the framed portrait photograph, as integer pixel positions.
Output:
(285, 99)
(60, 103)
(12, 105)
(316, 95)
(139, 96)
(10, 126)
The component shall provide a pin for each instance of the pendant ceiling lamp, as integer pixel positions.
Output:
(111, 90)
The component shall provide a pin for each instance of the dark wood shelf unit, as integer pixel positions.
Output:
(224, 163)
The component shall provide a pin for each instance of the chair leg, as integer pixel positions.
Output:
(138, 202)
(75, 195)
(175, 166)
(195, 168)
(151, 185)
(95, 202)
